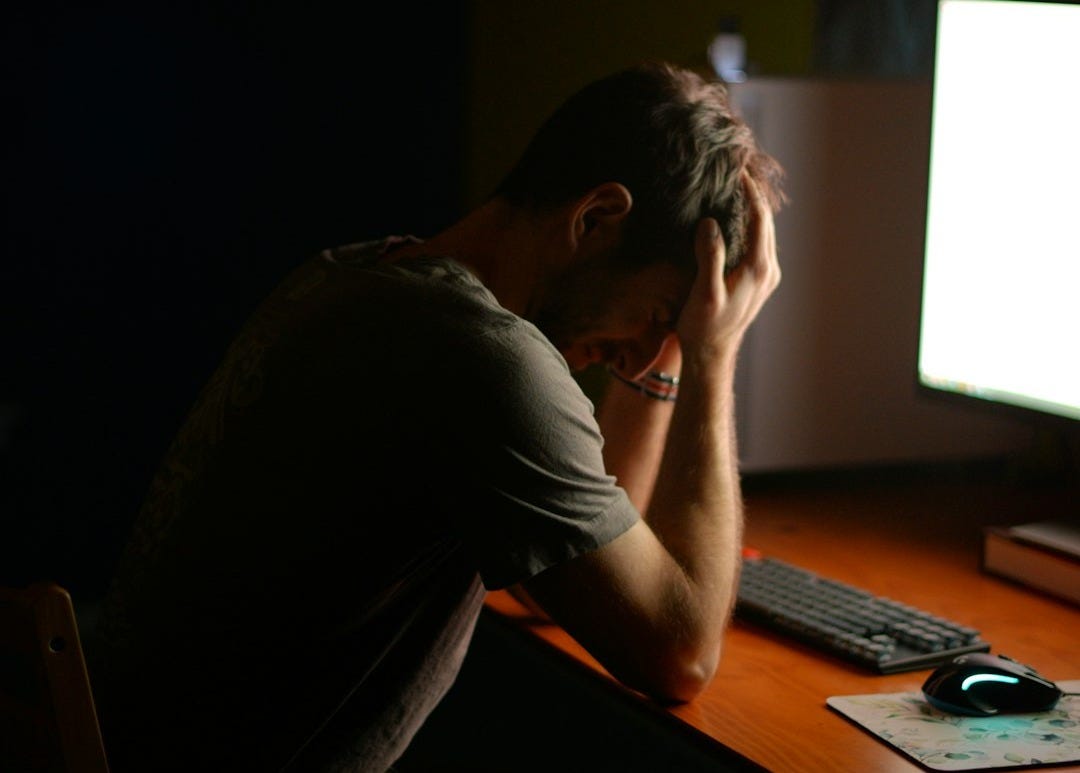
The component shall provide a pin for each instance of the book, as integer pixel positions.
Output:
(1044, 555)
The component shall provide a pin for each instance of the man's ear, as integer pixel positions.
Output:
(597, 216)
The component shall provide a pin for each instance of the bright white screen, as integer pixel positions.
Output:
(1001, 287)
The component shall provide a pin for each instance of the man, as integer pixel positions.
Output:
(391, 435)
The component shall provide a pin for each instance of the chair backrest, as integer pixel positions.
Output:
(48, 721)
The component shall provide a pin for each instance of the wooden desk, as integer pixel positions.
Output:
(914, 540)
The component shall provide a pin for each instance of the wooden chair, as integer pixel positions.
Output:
(48, 721)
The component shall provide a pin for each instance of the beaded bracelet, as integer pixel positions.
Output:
(654, 384)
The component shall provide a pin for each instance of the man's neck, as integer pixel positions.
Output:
(509, 251)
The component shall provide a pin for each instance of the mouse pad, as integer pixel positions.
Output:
(941, 741)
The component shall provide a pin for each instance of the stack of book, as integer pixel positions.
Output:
(1044, 555)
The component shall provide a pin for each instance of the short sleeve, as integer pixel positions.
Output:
(544, 495)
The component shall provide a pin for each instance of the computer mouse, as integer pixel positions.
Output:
(980, 684)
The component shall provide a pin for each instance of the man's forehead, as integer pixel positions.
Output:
(668, 284)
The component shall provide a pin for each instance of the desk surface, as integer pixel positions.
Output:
(915, 540)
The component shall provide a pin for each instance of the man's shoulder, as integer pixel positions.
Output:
(430, 276)
(433, 302)
(365, 252)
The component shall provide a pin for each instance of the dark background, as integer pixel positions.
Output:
(162, 169)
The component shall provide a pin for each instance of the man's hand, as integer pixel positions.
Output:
(720, 309)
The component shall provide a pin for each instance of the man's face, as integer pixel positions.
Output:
(595, 313)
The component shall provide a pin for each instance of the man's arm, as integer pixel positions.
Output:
(635, 428)
(653, 604)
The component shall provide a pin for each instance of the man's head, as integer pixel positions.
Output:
(644, 154)
(671, 138)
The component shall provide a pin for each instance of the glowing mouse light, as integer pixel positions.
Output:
(976, 678)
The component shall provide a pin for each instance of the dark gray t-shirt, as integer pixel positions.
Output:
(381, 444)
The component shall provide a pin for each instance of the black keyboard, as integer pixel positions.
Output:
(874, 632)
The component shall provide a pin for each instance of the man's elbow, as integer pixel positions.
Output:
(685, 676)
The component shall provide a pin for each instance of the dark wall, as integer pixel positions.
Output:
(162, 169)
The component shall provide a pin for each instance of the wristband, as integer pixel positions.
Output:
(654, 384)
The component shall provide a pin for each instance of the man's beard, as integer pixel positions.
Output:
(575, 302)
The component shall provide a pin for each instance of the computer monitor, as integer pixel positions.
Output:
(1000, 314)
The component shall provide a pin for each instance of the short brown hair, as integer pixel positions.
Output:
(671, 137)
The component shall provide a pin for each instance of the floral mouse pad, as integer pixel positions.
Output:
(943, 741)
